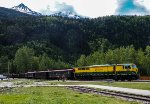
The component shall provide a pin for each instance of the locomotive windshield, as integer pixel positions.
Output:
(134, 66)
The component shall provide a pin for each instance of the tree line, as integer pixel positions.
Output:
(61, 41)
(119, 56)
(25, 60)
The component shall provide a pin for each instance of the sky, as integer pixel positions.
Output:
(89, 8)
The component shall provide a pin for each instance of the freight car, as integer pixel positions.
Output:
(51, 74)
(114, 71)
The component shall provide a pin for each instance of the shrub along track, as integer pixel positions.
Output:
(130, 97)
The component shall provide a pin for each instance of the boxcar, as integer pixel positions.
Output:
(41, 75)
(55, 74)
(30, 75)
(52, 74)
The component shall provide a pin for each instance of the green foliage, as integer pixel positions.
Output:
(147, 60)
(24, 59)
(96, 58)
(55, 95)
(68, 38)
(10, 13)
(100, 44)
(45, 47)
(82, 61)
(118, 56)
(3, 64)
(104, 40)
(35, 64)
(61, 65)
(45, 62)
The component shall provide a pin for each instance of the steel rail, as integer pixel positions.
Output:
(144, 99)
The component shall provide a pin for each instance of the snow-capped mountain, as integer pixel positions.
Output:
(24, 9)
(64, 13)
(61, 13)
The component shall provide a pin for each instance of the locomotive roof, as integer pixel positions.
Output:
(96, 65)
(60, 70)
(101, 65)
(126, 64)
(105, 65)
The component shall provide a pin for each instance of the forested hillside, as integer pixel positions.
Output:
(11, 14)
(63, 40)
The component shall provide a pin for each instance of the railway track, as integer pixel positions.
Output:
(114, 80)
(130, 97)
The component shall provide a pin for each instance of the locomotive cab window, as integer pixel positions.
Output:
(134, 66)
(127, 67)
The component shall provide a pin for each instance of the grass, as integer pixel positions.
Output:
(134, 85)
(54, 95)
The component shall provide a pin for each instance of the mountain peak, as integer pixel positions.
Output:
(21, 4)
(21, 7)
(24, 9)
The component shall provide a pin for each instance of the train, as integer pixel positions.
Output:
(93, 72)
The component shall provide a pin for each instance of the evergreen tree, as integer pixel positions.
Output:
(100, 44)
(82, 61)
(147, 62)
(44, 62)
(24, 59)
(4, 64)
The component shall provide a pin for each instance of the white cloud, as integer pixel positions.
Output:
(131, 7)
(145, 3)
(95, 8)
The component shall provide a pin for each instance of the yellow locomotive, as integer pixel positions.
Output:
(114, 71)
